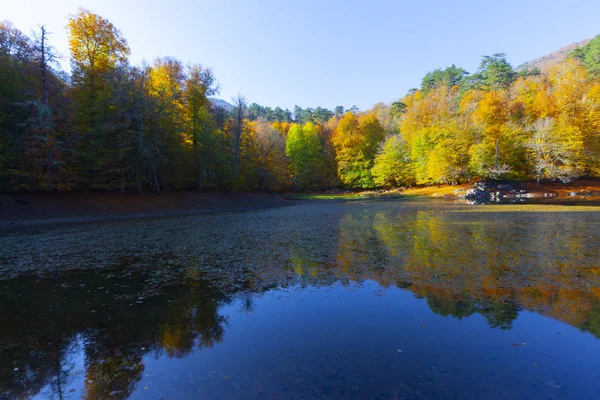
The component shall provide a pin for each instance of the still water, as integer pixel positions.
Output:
(373, 300)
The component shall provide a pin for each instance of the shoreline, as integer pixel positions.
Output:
(32, 210)
(43, 209)
(579, 192)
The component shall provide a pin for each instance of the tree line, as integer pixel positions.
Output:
(498, 123)
(111, 125)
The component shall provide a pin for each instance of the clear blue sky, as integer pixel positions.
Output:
(325, 52)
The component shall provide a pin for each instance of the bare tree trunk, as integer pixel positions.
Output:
(196, 162)
(202, 179)
(46, 57)
(262, 178)
(122, 183)
(58, 389)
(497, 158)
(139, 182)
(240, 102)
(155, 178)
(44, 63)
(19, 152)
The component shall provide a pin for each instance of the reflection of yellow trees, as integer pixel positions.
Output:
(472, 262)
(396, 241)
(179, 339)
(176, 341)
(359, 251)
(191, 324)
(430, 244)
(112, 375)
(303, 266)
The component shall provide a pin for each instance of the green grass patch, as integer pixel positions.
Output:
(318, 196)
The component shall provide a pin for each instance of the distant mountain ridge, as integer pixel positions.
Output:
(222, 103)
(546, 62)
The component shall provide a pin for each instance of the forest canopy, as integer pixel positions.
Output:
(109, 125)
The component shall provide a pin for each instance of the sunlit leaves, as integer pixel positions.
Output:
(392, 166)
(94, 42)
(305, 153)
(356, 141)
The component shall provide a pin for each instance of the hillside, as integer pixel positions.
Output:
(222, 103)
(549, 60)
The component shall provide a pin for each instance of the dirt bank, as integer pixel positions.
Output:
(43, 209)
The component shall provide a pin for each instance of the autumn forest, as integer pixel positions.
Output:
(110, 125)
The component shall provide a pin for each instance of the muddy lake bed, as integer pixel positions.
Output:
(328, 300)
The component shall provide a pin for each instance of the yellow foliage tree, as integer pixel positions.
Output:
(95, 44)
(356, 141)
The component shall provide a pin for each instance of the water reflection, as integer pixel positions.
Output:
(85, 315)
(49, 319)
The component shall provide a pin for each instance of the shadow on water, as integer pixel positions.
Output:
(92, 311)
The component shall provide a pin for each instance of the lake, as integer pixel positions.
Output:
(358, 300)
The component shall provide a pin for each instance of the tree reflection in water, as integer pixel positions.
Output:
(55, 315)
